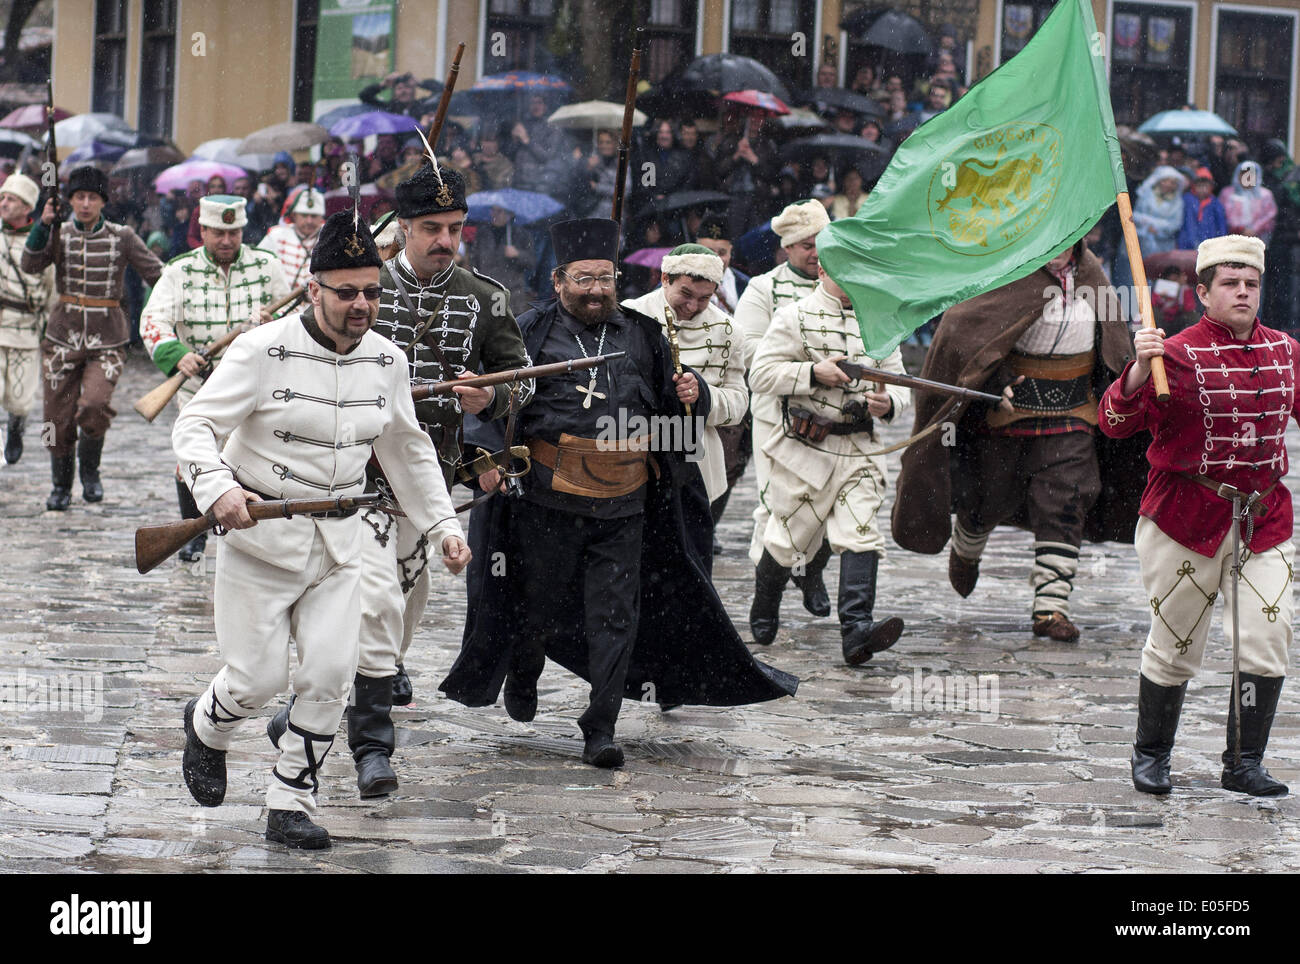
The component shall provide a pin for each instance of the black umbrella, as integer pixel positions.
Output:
(683, 201)
(890, 29)
(840, 151)
(837, 98)
(696, 87)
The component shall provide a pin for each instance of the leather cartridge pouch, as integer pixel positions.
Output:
(809, 425)
(1060, 385)
(595, 468)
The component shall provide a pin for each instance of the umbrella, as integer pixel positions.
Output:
(1184, 261)
(141, 158)
(593, 115)
(838, 149)
(1187, 122)
(226, 151)
(289, 136)
(195, 169)
(648, 258)
(836, 98)
(31, 116)
(372, 122)
(1140, 150)
(695, 87)
(683, 201)
(802, 117)
(84, 128)
(527, 206)
(13, 143)
(340, 200)
(94, 151)
(757, 101)
(891, 29)
(517, 80)
(332, 117)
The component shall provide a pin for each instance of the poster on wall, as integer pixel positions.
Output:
(1160, 39)
(354, 48)
(1128, 33)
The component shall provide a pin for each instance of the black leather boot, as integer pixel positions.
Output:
(204, 768)
(193, 549)
(860, 635)
(815, 597)
(716, 508)
(14, 438)
(402, 692)
(1158, 710)
(765, 612)
(277, 724)
(1249, 775)
(600, 750)
(88, 452)
(61, 467)
(372, 736)
(294, 829)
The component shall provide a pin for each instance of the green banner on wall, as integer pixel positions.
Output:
(354, 47)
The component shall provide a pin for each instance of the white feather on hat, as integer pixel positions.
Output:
(1231, 248)
(801, 221)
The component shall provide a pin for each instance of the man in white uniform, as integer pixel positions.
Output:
(304, 401)
(292, 243)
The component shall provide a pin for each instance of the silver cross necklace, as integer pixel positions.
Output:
(590, 389)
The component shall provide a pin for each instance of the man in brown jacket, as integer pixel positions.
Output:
(1059, 338)
(82, 353)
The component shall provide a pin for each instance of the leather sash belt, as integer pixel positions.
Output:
(1257, 508)
(1053, 386)
(594, 468)
(83, 302)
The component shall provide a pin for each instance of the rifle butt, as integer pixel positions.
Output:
(153, 544)
(152, 404)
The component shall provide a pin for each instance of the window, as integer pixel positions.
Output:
(669, 36)
(109, 93)
(304, 59)
(524, 25)
(763, 29)
(1252, 76)
(157, 67)
(1150, 54)
(1020, 21)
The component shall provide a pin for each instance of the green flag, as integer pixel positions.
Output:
(988, 191)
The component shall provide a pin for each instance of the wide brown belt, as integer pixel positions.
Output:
(1257, 508)
(595, 468)
(83, 302)
(1052, 387)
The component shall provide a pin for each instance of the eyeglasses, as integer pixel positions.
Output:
(350, 292)
(587, 281)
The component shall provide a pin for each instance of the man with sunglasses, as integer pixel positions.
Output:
(605, 553)
(450, 323)
(202, 295)
(302, 403)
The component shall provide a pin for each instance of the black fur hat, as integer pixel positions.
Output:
(344, 244)
(88, 179)
(586, 239)
(422, 193)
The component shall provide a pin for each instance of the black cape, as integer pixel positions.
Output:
(686, 645)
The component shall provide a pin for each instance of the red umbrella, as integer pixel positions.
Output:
(759, 101)
(1184, 261)
(33, 115)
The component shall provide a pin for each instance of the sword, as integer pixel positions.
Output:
(1241, 511)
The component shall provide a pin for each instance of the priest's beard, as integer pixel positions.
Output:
(590, 308)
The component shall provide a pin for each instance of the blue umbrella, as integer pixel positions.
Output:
(489, 93)
(372, 122)
(1187, 122)
(332, 117)
(527, 206)
(94, 151)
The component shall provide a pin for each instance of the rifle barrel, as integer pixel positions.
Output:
(629, 114)
(912, 381)
(423, 389)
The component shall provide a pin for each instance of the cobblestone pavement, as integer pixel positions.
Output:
(1027, 771)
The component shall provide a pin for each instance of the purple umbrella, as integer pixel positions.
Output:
(648, 257)
(94, 151)
(196, 169)
(372, 122)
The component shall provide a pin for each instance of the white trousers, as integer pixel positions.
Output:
(20, 374)
(843, 511)
(1181, 587)
(761, 432)
(258, 607)
(394, 590)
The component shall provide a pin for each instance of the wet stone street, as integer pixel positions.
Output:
(970, 747)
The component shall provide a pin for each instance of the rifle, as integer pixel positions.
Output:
(153, 544)
(155, 401)
(435, 129)
(856, 371)
(629, 110)
(422, 388)
(52, 157)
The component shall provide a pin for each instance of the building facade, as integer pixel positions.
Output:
(196, 69)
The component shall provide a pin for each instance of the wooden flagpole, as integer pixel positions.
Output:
(1143, 290)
